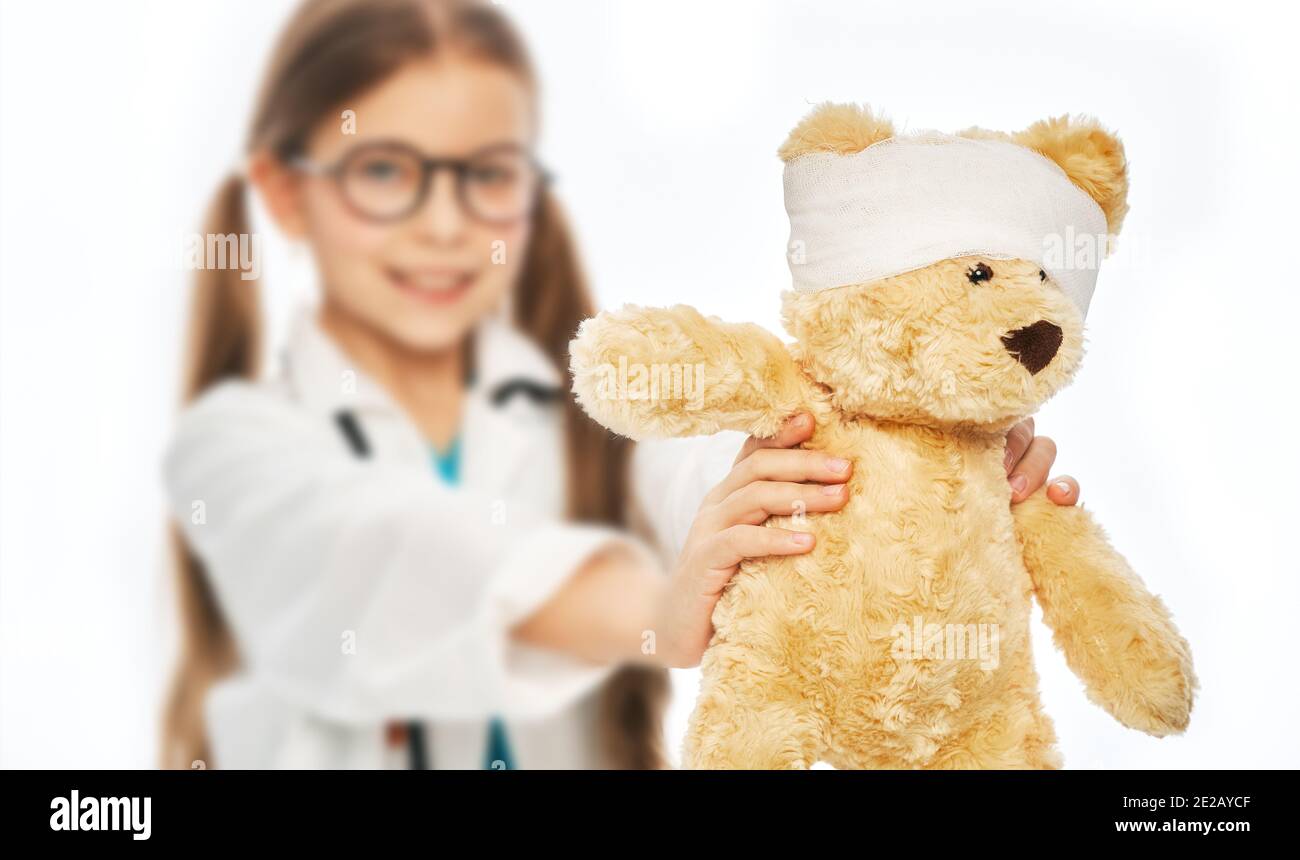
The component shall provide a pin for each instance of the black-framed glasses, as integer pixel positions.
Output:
(390, 180)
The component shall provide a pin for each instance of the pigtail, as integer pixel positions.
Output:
(551, 301)
(225, 317)
(224, 343)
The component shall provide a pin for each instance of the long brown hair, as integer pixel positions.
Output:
(330, 51)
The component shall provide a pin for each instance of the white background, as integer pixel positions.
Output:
(662, 120)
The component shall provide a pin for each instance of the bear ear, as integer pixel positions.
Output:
(839, 128)
(1090, 155)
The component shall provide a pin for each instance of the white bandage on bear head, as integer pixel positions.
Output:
(906, 202)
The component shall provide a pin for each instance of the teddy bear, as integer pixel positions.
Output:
(940, 284)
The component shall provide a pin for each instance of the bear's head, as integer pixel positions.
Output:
(944, 279)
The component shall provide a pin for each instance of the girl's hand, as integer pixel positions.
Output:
(1028, 460)
(768, 478)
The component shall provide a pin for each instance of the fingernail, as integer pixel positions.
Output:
(1064, 487)
(799, 421)
(801, 539)
(1018, 484)
(835, 464)
(832, 489)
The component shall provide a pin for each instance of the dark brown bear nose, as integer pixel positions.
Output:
(1035, 345)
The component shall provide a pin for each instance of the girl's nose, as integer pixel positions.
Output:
(441, 218)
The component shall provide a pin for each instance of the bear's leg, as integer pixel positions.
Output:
(734, 726)
(1015, 735)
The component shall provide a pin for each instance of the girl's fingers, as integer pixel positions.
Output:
(798, 428)
(1018, 440)
(753, 503)
(1063, 490)
(1031, 472)
(782, 464)
(729, 547)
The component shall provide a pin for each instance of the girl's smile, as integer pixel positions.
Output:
(433, 285)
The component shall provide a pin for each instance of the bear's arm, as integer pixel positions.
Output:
(1116, 636)
(667, 372)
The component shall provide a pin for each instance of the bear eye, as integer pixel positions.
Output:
(979, 274)
(1042, 276)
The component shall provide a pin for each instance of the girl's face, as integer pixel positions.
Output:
(422, 280)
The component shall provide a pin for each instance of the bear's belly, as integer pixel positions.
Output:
(908, 622)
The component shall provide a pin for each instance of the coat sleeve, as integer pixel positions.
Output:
(361, 591)
(671, 477)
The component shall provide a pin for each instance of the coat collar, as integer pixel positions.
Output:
(325, 380)
(503, 437)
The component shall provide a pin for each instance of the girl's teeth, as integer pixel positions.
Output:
(434, 283)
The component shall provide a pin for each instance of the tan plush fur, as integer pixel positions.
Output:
(910, 378)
